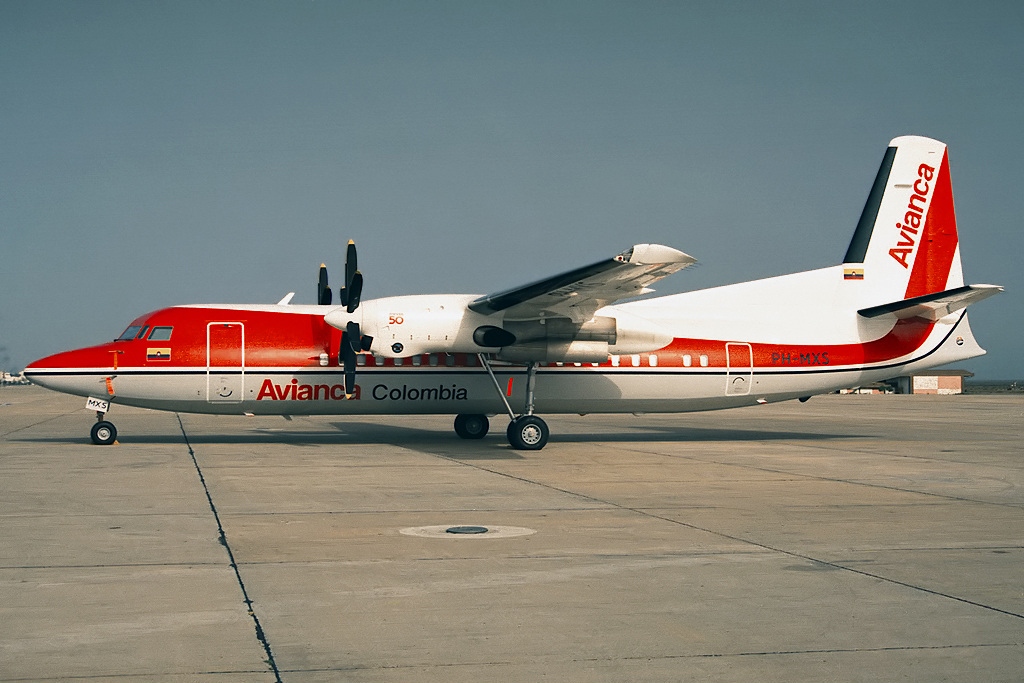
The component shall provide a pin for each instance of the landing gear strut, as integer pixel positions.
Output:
(103, 433)
(525, 432)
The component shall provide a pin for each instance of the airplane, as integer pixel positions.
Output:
(569, 343)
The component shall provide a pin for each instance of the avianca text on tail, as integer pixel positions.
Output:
(914, 218)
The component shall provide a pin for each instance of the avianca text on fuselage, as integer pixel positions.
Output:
(914, 218)
(294, 391)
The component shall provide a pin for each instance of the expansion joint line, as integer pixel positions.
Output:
(36, 424)
(260, 635)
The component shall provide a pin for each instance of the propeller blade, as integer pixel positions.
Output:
(347, 356)
(350, 381)
(351, 345)
(348, 295)
(352, 330)
(354, 291)
(323, 292)
(351, 266)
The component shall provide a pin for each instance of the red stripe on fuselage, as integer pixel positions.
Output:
(296, 340)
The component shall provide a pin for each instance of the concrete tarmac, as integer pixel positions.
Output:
(851, 538)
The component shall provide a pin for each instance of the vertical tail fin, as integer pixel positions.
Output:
(906, 242)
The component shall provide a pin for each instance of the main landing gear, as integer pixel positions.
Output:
(472, 426)
(525, 432)
(103, 433)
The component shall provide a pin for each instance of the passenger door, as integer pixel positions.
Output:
(225, 362)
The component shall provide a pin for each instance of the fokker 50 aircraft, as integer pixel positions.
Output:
(563, 344)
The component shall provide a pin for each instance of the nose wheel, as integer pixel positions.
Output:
(103, 433)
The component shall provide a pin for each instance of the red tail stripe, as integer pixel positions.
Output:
(938, 239)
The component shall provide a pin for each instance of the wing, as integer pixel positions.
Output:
(579, 293)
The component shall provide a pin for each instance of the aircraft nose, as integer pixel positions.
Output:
(68, 370)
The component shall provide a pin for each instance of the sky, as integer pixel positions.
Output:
(159, 153)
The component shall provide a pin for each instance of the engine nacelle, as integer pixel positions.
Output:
(637, 335)
(404, 326)
(562, 340)
(555, 350)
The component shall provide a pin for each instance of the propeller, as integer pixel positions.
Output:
(352, 340)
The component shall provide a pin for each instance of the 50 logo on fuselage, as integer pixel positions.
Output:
(294, 391)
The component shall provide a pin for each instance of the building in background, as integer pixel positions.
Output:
(931, 382)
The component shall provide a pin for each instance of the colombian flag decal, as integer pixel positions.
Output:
(158, 354)
(853, 273)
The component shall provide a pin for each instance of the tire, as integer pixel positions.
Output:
(472, 426)
(103, 433)
(527, 433)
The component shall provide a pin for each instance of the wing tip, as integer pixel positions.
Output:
(649, 254)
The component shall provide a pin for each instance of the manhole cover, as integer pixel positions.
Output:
(466, 530)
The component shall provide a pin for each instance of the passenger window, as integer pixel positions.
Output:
(129, 333)
(160, 334)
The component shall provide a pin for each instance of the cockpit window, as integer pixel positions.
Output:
(142, 334)
(129, 333)
(160, 334)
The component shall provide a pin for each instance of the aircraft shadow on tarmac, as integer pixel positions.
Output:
(493, 446)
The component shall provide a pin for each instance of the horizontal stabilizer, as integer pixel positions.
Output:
(933, 306)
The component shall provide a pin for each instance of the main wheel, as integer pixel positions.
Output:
(472, 426)
(103, 433)
(527, 433)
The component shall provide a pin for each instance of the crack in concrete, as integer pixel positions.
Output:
(261, 636)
